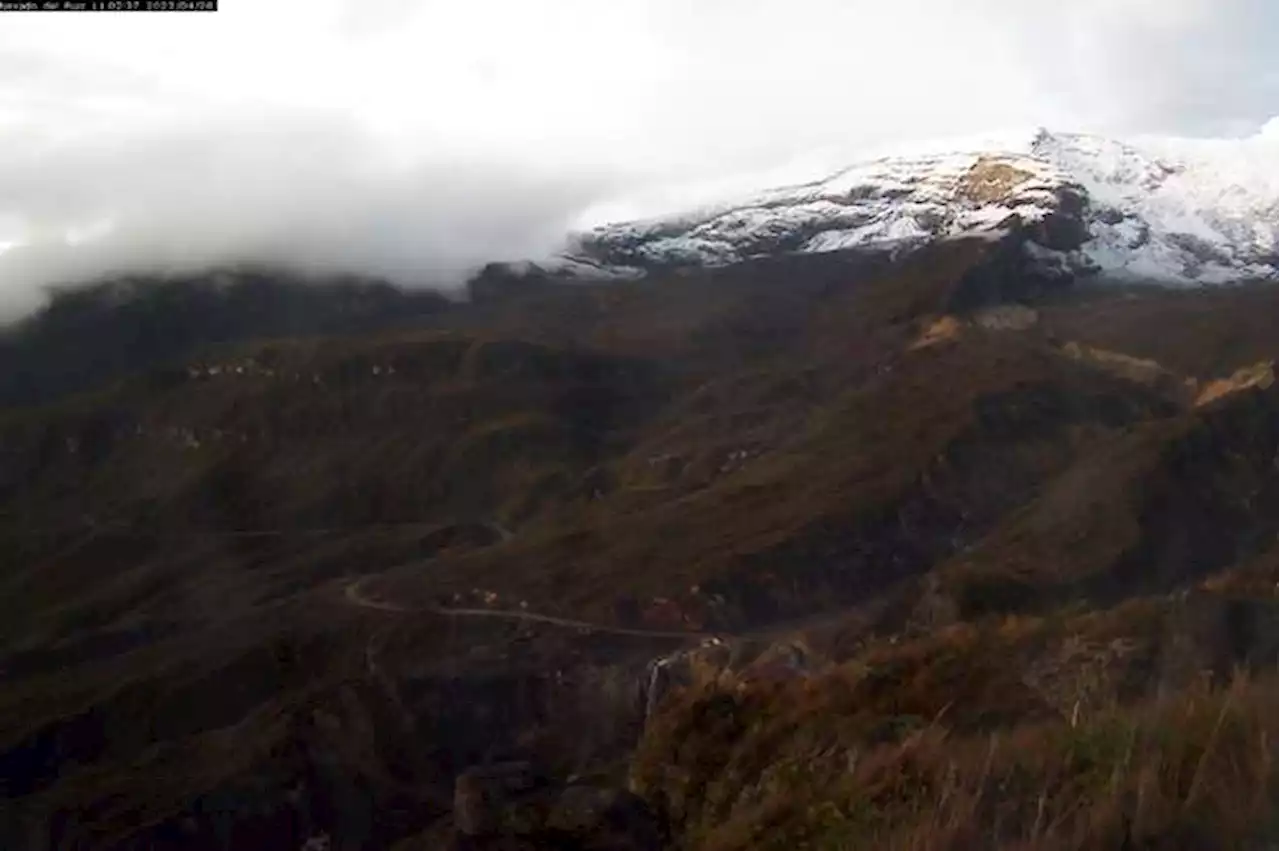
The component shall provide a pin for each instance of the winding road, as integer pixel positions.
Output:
(353, 594)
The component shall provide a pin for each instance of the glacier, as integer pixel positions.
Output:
(1165, 210)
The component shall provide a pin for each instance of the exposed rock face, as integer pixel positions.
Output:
(1008, 273)
(681, 669)
(726, 665)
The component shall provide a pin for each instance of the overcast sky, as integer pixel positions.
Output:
(416, 138)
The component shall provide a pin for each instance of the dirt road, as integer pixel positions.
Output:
(353, 594)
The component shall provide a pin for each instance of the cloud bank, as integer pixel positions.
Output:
(417, 140)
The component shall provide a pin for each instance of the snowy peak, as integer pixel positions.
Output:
(883, 201)
(1178, 211)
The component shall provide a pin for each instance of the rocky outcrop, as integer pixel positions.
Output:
(727, 665)
(1007, 273)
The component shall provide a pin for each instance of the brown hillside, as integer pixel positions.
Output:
(296, 587)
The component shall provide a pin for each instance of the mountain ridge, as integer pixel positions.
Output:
(1175, 211)
(305, 584)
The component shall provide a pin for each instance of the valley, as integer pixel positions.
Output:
(708, 559)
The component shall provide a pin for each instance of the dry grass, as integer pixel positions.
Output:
(1065, 731)
(942, 330)
(1256, 375)
(1137, 370)
(1193, 770)
(855, 463)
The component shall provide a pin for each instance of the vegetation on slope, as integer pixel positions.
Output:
(1073, 731)
(976, 530)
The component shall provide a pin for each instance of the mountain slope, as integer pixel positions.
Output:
(92, 334)
(1170, 210)
(292, 589)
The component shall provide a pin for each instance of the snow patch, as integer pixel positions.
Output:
(1173, 210)
(1197, 211)
(886, 200)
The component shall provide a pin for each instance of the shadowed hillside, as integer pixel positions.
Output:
(926, 527)
(89, 335)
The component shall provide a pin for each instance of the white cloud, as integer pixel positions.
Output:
(418, 138)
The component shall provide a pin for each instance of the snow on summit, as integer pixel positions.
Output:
(1176, 209)
(1161, 209)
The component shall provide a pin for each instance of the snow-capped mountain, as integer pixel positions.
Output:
(1183, 210)
(1174, 210)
